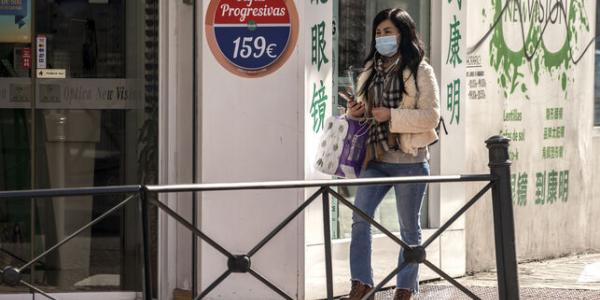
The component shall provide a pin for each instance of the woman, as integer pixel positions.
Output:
(399, 93)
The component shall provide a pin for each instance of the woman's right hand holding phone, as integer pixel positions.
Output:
(354, 108)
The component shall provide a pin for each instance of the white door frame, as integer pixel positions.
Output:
(175, 149)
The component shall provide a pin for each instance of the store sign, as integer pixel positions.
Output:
(13, 25)
(15, 93)
(51, 73)
(41, 51)
(87, 94)
(251, 38)
(71, 93)
(26, 58)
(17, 8)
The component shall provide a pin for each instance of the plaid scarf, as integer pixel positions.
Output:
(385, 92)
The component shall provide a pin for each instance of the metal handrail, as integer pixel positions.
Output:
(68, 192)
(205, 187)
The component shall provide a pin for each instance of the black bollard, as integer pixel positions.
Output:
(504, 224)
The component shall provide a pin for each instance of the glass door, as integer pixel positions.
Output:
(73, 118)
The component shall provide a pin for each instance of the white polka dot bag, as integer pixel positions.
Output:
(342, 147)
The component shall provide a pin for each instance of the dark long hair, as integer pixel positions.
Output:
(410, 48)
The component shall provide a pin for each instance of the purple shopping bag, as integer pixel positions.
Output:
(342, 148)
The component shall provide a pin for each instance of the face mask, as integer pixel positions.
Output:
(387, 45)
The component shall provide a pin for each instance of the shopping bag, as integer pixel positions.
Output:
(342, 147)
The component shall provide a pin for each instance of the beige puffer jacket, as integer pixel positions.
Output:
(418, 115)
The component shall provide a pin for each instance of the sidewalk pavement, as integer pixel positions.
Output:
(572, 277)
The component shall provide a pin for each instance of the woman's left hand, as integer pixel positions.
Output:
(381, 114)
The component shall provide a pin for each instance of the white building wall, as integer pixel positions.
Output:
(252, 129)
(550, 221)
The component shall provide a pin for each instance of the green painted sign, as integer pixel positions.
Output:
(534, 17)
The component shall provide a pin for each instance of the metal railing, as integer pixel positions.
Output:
(12, 276)
(498, 181)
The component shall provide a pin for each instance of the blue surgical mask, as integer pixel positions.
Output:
(387, 45)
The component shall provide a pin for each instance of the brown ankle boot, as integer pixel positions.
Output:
(358, 291)
(402, 294)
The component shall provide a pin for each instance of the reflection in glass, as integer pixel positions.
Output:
(15, 135)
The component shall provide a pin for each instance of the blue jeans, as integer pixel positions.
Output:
(409, 198)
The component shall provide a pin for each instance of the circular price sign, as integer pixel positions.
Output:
(251, 38)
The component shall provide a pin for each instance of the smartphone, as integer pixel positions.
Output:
(346, 96)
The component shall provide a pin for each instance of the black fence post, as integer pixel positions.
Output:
(147, 279)
(504, 224)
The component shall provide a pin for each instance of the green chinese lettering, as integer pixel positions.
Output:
(318, 56)
(551, 152)
(560, 113)
(454, 47)
(563, 185)
(561, 151)
(317, 107)
(453, 100)
(522, 189)
(513, 154)
(552, 187)
(457, 1)
(554, 113)
(540, 188)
